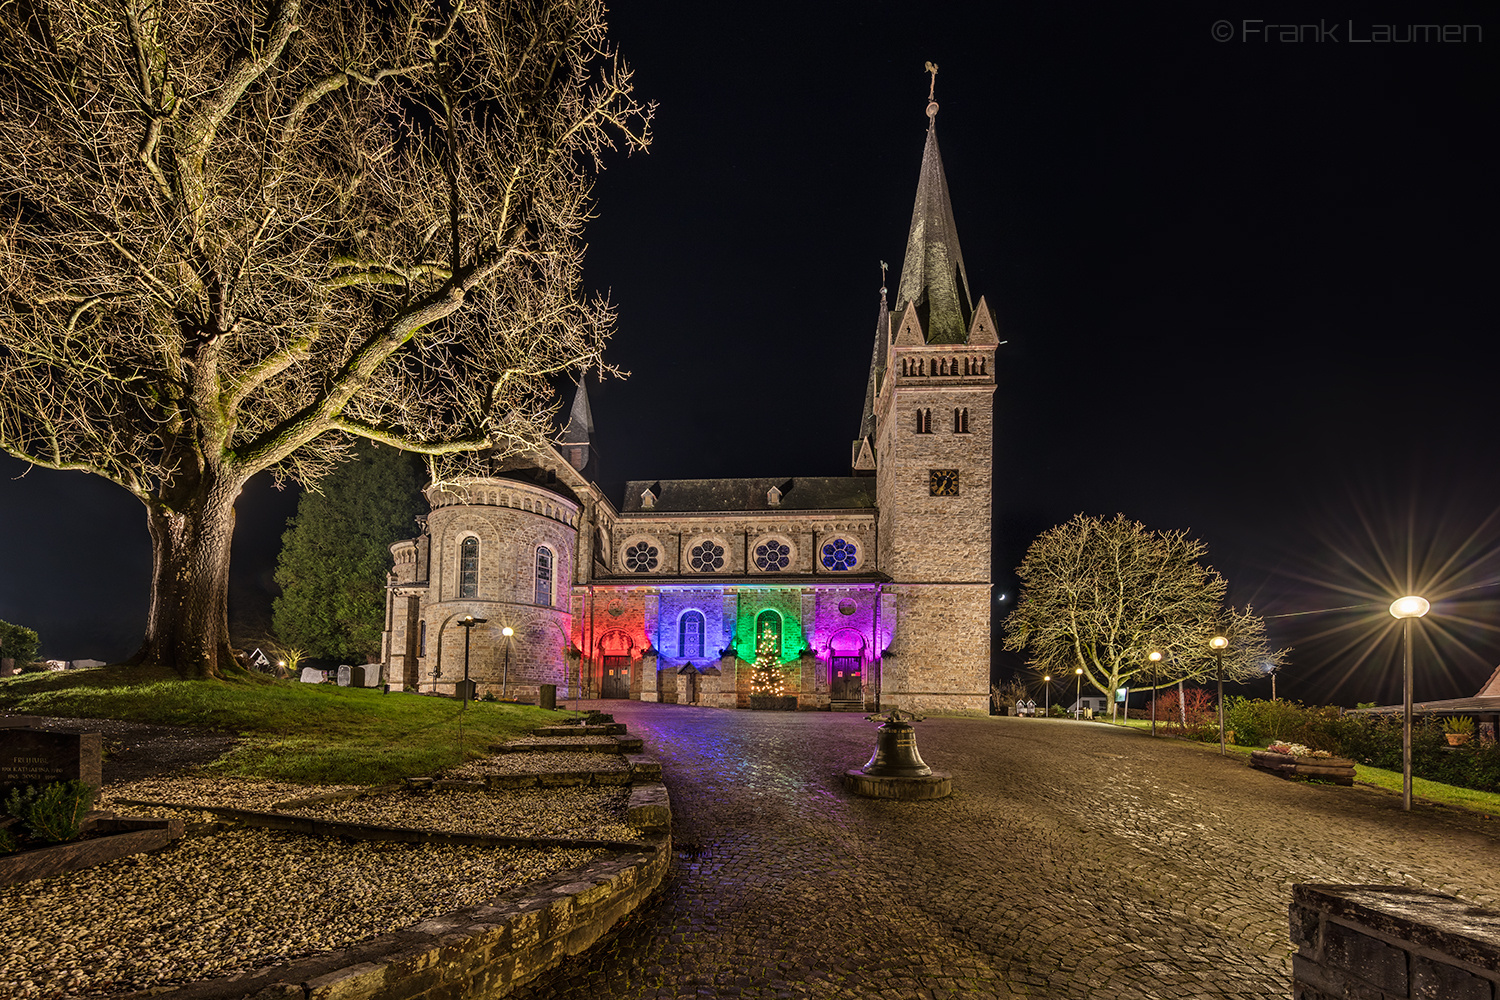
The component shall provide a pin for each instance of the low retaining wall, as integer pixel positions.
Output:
(1381, 942)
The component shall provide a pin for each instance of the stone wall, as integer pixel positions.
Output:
(1380, 942)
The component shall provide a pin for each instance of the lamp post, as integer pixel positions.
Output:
(1217, 644)
(1078, 697)
(1047, 698)
(1155, 657)
(468, 622)
(507, 631)
(1404, 610)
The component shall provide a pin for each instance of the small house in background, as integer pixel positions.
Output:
(1089, 704)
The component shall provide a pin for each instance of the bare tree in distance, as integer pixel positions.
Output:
(1103, 594)
(236, 237)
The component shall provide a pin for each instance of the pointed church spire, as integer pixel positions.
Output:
(878, 361)
(580, 420)
(933, 276)
(577, 441)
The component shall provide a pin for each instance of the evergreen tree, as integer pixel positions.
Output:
(768, 680)
(336, 552)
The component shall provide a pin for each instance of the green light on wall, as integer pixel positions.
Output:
(792, 638)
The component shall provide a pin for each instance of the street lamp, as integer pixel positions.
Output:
(507, 631)
(1047, 698)
(1404, 609)
(1078, 698)
(468, 622)
(1155, 657)
(1217, 644)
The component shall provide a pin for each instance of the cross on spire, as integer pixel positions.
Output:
(932, 106)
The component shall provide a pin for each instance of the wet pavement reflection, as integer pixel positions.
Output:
(1073, 860)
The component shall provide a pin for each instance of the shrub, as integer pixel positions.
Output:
(1377, 742)
(8, 843)
(19, 643)
(1257, 722)
(51, 814)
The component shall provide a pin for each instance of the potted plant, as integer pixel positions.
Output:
(1458, 729)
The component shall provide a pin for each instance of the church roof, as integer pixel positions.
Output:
(580, 429)
(682, 496)
(933, 276)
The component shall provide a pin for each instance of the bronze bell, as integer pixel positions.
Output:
(896, 751)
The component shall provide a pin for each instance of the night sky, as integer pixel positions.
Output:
(1247, 287)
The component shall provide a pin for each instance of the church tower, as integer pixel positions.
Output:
(931, 446)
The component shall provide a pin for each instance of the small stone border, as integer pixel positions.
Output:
(116, 837)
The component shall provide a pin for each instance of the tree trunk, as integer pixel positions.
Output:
(188, 625)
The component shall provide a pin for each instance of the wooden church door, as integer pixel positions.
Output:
(616, 677)
(844, 681)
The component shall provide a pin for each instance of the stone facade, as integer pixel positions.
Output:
(872, 589)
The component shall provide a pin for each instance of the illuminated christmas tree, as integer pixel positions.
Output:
(767, 680)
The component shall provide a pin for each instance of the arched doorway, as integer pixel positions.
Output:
(846, 668)
(614, 650)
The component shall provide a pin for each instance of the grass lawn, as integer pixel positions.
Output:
(1487, 803)
(310, 733)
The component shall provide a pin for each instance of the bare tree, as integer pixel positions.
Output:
(237, 236)
(1103, 594)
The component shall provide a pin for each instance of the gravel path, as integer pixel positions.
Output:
(227, 900)
(236, 900)
(1073, 861)
(539, 763)
(575, 812)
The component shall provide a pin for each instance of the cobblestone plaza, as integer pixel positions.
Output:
(1073, 860)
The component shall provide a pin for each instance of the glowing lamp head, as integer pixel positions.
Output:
(1218, 642)
(507, 631)
(1048, 678)
(1410, 607)
(1078, 671)
(1154, 656)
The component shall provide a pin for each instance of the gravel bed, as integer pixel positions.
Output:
(231, 793)
(237, 900)
(546, 741)
(539, 763)
(566, 812)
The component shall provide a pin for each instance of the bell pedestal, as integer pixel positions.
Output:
(897, 770)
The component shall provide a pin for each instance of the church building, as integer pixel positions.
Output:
(868, 591)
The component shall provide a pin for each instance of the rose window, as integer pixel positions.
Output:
(772, 556)
(706, 556)
(840, 554)
(641, 557)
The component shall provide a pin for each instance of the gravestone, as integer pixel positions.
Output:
(41, 757)
(346, 674)
(7, 666)
(312, 675)
(366, 676)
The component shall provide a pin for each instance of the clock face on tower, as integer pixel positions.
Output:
(942, 482)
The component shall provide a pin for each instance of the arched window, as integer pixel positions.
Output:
(468, 567)
(544, 576)
(690, 635)
(422, 638)
(924, 421)
(768, 633)
(961, 420)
